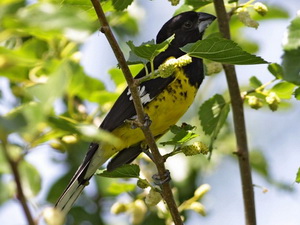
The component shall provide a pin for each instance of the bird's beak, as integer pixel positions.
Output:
(205, 20)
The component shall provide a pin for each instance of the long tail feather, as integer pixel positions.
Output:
(93, 160)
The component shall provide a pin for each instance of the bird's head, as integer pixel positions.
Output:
(188, 27)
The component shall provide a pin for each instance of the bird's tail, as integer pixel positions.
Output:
(93, 160)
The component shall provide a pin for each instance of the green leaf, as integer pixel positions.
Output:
(213, 114)
(284, 90)
(116, 74)
(274, 12)
(291, 66)
(55, 87)
(11, 123)
(221, 50)
(120, 5)
(291, 56)
(87, 132)
(183, 134)
(298, 176)
(276, 70)
(119, 188)
(297, 93)
(5, 193)
(292, 39)
(4, 166)
(255, 82)
(123, 23)
(31, 180)
(147, 50)
(56, 21)
(93, 133)
(196, 4)
(125, 171)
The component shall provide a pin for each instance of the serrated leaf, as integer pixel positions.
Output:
(284, 90)
(292, 38)
(120, 5)
(147, 50)
(276, 70)
(298, 176)
(221, 50)
(297, 93)
(183, 134)
(118, 188)
(213, 114)
(255, 82)
(125, 171)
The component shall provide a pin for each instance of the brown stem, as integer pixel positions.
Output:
(20, 194)
(239, 122)
(158, 159)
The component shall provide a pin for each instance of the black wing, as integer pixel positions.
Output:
(123, 108)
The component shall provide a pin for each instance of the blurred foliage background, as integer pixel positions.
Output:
(51, 105)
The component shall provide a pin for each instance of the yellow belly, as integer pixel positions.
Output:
(164, 111)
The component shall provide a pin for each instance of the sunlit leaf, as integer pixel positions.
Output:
(292, 40)
(284, 90)
(297, 93)
(125, 171)
(182, 135)
(298, 176)
(274, 12)
(47, 20)
(118, 188)
(221, 50)
(148, 50)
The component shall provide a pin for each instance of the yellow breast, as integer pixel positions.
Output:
(164, 111)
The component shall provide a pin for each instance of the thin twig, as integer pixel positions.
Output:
(158, 159)
(20, 193)
(239, 122)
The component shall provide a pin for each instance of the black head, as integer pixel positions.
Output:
(188, 27)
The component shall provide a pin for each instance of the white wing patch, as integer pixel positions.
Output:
(145, 97)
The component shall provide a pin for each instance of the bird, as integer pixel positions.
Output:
(165, 100)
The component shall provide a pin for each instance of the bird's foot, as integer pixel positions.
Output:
(135, 123)
(161, 180)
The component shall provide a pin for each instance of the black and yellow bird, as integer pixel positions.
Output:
(165, 100)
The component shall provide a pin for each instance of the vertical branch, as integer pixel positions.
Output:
(20, 194)
(239, 122)
(158, 159)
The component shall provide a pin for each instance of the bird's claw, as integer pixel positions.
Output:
(134, 123)
(160, 181)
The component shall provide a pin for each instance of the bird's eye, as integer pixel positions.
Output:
(188, 24)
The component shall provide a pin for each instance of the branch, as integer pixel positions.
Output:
(239, 122)
(20, 194)
(158, 159)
